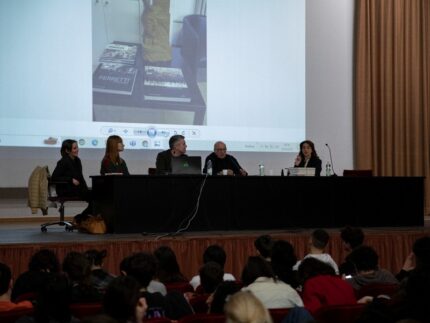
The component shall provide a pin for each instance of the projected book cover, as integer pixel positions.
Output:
(114, 78)
(165, 84)
(164, 44)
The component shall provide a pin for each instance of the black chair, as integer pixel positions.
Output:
(54, 199)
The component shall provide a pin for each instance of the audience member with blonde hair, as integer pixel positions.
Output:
(112, 162)
(244, 307)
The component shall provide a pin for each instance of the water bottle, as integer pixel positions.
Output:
(328, 169)
(261, 169)
(209, 167)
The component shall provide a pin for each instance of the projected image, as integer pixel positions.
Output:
(149, 61)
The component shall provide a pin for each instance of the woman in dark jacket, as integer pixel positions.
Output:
(69, 177)
(308, 157)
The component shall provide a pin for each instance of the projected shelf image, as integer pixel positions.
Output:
(144, 81)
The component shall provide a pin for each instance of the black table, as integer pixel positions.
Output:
(141, 203)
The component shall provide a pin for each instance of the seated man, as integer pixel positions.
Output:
(221, 160)
(177, 148)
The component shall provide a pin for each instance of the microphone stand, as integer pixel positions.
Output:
(331, 160)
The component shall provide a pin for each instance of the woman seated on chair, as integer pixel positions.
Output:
(71, 182)
(112, 162)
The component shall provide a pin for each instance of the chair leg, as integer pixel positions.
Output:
(68, 225)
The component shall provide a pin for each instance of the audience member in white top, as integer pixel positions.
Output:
(216, 254)
(317, 244)
(259, 279)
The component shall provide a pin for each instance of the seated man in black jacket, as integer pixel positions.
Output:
(220, 161)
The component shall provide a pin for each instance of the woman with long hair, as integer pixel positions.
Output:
(308, 157)
(112, 162)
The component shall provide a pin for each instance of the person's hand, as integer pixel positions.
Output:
(243, 172)
(298, 160)
(409, 263)
(75, 182)
(141, 308)
(365, 300)
(230, 172)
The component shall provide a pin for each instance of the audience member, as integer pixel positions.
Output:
(264, 245)
(258, 278)
(351, 239)
(177, 148)
(283, 260)
(78, 269)
(218, 299)
(317, 244)
(217, 254)
(52, 304)
(142, 266)
(6, 290)
(365, 262)
(244, 307)
(112, 162)
(211, 275)
(69, 172)
(154, 285)
(123, 300)
(308, 157)
(168, 270)
(321, 286)
(42, 265)
(418, 259)
(100, 278)
(222, 161)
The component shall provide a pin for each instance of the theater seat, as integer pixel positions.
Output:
(182, 287)
(207, 318)
(339, 313)
(377, 289)
(13, 315)
(81, 310)
(278, 314)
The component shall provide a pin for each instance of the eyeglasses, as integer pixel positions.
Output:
(221, 149)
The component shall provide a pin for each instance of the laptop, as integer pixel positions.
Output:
(301, 171)
(186, 165)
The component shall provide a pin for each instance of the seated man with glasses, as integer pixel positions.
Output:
(222, 161)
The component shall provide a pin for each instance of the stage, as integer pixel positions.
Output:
(19, 239)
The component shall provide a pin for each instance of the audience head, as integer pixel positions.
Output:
(283, 260)
(77, 267)
(44, 260)
(167, 265)
(421, 251)
(220, 149)
(311, 267)
(254, 268)
(123, 300)
(218, 299)
(319, 239)
(70, 148)
(142, 266)
(307, 149)
(351, 237)
(114, 145)
(215, 253)
(211, 275)
(53, 300)
(95, 257)
(5, 279)
(264, 245)
(364, 258)
(177, 145)
(244, 307)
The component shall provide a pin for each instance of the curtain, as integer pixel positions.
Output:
(392, 88)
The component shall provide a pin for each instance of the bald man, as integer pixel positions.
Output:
(221, 160)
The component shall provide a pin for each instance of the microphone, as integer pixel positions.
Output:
(331, 160)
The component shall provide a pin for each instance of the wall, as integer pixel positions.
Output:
(329, 39)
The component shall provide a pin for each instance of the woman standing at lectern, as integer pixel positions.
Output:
(68, 173)
(308, 157)
(112, 162)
